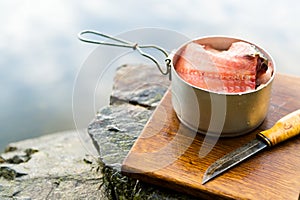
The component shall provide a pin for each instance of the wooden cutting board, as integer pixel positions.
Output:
(170, 155)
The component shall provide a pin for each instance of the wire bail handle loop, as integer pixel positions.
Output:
(127, 44)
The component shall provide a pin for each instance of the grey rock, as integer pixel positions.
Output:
(116, 127)
(67, 166)
(15, 157)
(114, 130)
(59, 166)
(140, 85)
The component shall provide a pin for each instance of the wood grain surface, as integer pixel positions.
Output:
(170, 155)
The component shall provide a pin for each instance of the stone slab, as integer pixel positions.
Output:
(140, 85)
(116, 127)
(55, 166)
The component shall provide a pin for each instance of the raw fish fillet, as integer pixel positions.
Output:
(231, 71)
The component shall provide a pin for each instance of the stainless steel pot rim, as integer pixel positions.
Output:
(177, 51)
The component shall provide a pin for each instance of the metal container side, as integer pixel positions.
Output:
(219, 114)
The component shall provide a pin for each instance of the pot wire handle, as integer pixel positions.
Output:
(127, 44)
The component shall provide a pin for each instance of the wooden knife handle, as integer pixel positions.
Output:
(285, 128)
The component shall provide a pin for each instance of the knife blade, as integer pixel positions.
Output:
(285, 128)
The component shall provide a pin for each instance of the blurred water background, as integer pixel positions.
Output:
(40, 55)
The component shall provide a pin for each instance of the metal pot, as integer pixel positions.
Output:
(208, 112)
(218, 113)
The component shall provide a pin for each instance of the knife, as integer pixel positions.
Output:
(285, 128)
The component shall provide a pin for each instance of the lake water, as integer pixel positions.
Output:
(41, 55)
